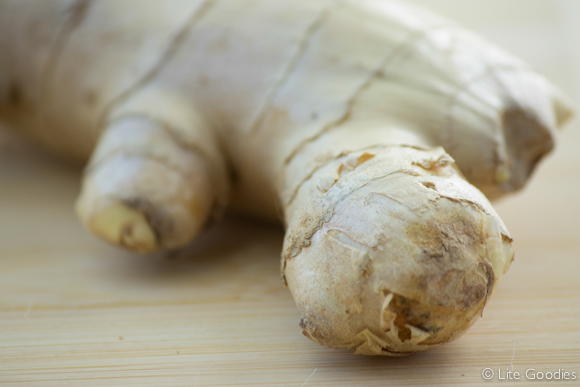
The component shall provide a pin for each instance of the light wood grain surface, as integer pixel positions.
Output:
(74, 311)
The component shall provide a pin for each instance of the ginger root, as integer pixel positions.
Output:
(367, 125)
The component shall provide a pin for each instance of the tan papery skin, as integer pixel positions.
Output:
(373, 128)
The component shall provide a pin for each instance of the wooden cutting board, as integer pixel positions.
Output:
(74, 311)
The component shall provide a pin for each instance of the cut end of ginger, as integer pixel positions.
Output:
(125, 226)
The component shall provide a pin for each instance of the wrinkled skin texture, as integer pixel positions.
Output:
(404, 263)
(374, 129)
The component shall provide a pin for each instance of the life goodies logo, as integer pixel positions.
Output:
(529, 374)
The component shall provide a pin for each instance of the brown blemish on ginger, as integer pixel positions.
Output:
(364, 158)
(159, 223)
(450, 255)
(309, 330)
(490, 276)
(429, 184)
(127, 231)
(527, 140)
(433, 235)
(405, 311)
(428, 318)
(506, 238)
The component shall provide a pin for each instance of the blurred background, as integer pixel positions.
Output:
(73, 309)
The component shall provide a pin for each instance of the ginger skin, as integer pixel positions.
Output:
(374, 128)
